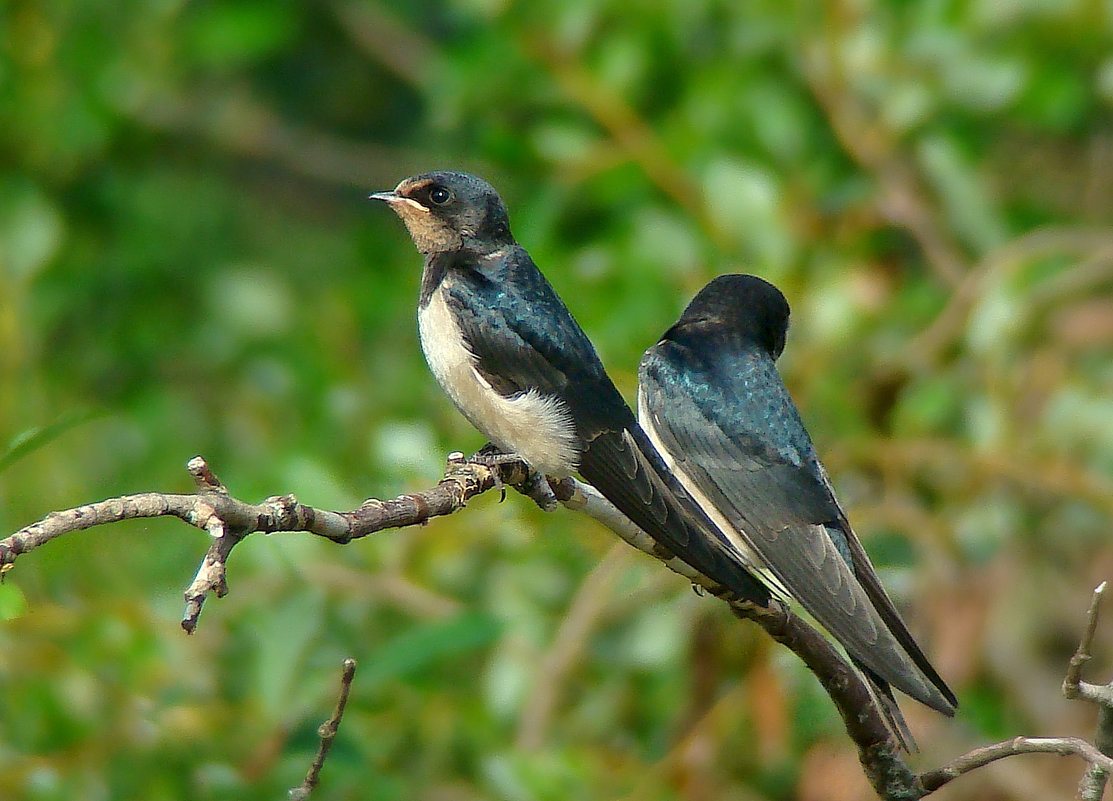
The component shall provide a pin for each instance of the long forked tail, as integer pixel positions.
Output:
(883, 698)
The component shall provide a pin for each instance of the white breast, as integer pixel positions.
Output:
(537, 428)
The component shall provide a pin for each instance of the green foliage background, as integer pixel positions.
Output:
(188, 265)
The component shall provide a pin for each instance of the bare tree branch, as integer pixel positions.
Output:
(229, 520)
(327, 732)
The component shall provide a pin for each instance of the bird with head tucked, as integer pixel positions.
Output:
(711, 400)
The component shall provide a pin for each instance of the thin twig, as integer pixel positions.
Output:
(932, 780)
(327, 732)
(1092, 785)
(1072, 684)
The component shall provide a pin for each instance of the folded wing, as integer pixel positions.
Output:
(782, 512)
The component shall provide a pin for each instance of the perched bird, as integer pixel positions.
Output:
(506, 350)
(712, 402)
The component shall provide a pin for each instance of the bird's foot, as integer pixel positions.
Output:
(491, 457)
(535, 486)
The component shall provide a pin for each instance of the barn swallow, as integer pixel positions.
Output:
(517, 365)
(712, 402)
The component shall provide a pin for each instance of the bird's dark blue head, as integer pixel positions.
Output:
(742, 305)
(448, 211)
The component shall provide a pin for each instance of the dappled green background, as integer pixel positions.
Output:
(188, 265)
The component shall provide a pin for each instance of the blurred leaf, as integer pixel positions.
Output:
(428, 644)
(34, 438)
(13, 602)
(1057, 97)
(970, 207)
(230, 33)
(285, 635)
(995, 321)
(31, 229)
(744, 200)
(929, 406)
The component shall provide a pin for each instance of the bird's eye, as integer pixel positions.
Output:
(440, 196)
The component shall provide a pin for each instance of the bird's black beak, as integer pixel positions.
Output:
(399, 203)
